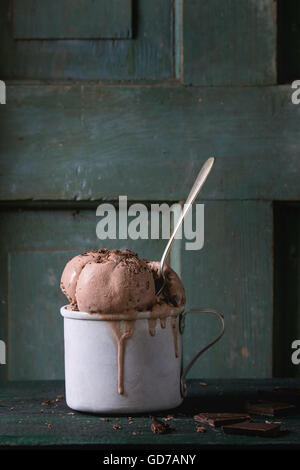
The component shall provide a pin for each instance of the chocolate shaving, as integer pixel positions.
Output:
(168, 418)
(200, 429)
(47, 402)
(158, 427)
(117, 426)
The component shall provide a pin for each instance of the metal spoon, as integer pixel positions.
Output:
(200, 180)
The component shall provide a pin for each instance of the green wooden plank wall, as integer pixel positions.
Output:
(72, 19)
(232, 273)
(147, 56)
(89, 120)
(90, 136)
(229, 42)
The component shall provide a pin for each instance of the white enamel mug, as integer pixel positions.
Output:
(153, 375)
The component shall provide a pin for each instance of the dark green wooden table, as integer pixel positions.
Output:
(28, 419)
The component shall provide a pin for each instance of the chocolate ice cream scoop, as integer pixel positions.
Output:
(119, 281)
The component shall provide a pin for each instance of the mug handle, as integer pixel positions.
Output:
(198, 354)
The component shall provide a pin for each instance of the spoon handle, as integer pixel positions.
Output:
(200, 180)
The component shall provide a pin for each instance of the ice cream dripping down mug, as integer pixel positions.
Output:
(113, 364)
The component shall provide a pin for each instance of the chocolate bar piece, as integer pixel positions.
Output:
(250, 428)
(269, 408)
(218, 419)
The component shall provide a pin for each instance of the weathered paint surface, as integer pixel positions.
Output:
(72, 19)
(229, 42)
(148, 55)
(233, 273)
(89, 142)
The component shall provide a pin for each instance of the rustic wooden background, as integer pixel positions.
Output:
(129, 97)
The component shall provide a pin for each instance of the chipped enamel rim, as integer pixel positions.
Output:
(66, 313)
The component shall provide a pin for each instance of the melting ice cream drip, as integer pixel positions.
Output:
(122, 331)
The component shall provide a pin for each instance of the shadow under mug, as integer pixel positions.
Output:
(154, 378)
